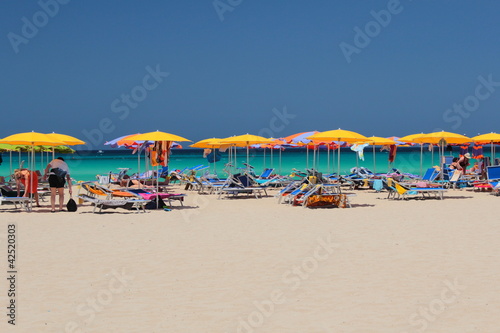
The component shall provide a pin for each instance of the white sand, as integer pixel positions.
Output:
(394, 266)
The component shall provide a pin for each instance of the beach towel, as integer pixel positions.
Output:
(358, 148)
(392, 153)
(377, 185)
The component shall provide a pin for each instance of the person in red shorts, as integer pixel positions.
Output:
(29, 180)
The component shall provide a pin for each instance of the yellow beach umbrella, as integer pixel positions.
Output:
(155, 136)
(410, 139)
(489, 138)
(208, 143)
(441, 138)
(339, 135)
(378, 141)
(31, 139)
(66, 139)
(212, 143)
(246, 140)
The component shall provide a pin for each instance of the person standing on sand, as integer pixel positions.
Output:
(29, 180)
(58, 172)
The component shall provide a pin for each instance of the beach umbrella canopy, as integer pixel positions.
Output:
(300, 137)
(339, 135)
(440, 137)
(66, 139)
(410, 138)
(115, 143)
(379, 141)
(154, 136)
(246, 140)
(209, 143)
(489, 138)
(9, 147)
(31, 139)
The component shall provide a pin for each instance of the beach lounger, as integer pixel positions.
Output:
(241, 184)
(168, 196)
(23, 202)
(426, 192)
(138, 204)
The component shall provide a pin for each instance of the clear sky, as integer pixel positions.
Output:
(101, 69)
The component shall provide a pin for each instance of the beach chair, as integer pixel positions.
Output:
(289, 197)
(241, 184)
(266, 174)
(164, 196)
(138, 204)
(23, 202)
(425, 192)
(430, 175)
(112, 198)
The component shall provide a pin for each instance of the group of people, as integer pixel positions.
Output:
(56, 172)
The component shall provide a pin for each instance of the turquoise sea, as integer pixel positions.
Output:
(86, 165)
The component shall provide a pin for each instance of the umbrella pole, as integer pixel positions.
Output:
(307, 157)
(421, 155)
(280, 162)
(272, 160)
(492, 155)
(328, 157)
(432, 153)
(248, 160)
(374, 160)
(314, 156)
(338, 159)
(265, 157)
(10, 164)
(318, 165)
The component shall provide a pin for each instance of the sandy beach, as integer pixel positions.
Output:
(251, 265)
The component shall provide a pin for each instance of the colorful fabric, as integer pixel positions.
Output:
(464, 149)
(392, 153)
(477, 151)
(358, 148)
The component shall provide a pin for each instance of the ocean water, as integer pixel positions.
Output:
(86, 165)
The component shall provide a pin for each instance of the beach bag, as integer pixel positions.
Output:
(71, 205)
(152, 204)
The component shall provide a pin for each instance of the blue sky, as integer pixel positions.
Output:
(266, 67)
